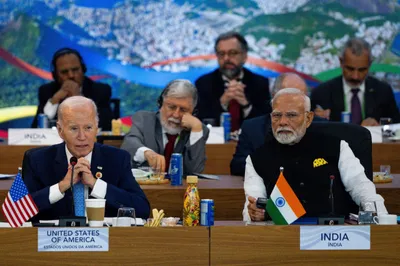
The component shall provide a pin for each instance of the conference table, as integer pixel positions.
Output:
(228, 195)
(226, 243)
(219, 156)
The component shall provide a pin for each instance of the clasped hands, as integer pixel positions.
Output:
(81, 173)
(234, 91)
(68, 88)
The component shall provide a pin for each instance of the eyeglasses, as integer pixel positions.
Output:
(292, 116)
(230, 53)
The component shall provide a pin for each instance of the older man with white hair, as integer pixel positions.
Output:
(101, 171)
(154, 136)
(289, 145)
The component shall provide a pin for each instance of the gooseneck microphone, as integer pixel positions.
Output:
(332, 177)
(73, 162)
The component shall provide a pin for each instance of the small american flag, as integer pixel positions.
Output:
(18, 207)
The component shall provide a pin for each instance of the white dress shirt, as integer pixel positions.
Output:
(352, 174)
(99, 189)
(348, 95)
(193, 138)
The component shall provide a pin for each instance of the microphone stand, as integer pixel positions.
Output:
(332, 218)
(73, 220)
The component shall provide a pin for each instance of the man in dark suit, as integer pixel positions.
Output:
(367, 98)
(154, 136)
(101, 171)
(68, 71)
(232, 88)
(253, 131)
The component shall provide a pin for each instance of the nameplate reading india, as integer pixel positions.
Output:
(335, 237)
(72, 239)
(33, 136)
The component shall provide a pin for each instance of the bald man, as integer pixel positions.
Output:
(253, 131)
(101, 171)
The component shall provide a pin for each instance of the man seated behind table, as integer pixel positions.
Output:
(253, 130)
(292, 147)
(154, 136)
(68, 70)
(104, 171)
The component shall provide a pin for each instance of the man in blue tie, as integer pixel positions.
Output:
(101, 171)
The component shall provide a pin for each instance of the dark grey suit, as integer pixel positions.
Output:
(146, 131)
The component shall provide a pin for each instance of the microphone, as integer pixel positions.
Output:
(332, 218)
(73, 162)
(332, 177)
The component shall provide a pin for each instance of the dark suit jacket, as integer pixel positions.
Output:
(378, 99)
(252, 136)
(47, 166)
(146, 131)
(211, 87)
(100, 93)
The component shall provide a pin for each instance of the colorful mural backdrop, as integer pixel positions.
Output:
(139, 46)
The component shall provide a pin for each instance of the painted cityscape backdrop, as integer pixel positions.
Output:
(139, 46)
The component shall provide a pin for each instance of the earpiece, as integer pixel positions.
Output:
(62, 52)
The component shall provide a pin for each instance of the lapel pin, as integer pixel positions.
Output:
(100, 167)
(99, 175)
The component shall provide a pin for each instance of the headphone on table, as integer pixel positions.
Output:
(62, 52)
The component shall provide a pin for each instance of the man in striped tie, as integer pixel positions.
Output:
(100, 171)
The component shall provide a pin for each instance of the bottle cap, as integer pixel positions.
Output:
(192, 179)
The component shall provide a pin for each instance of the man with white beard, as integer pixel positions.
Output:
(154, 136)
(309, 160)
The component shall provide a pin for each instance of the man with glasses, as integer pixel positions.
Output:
(308, 159)
(232, 88)
(154, 136)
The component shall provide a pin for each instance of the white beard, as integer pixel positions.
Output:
(169, 129)
(290, 138)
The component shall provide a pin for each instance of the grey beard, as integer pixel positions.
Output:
(230, 73)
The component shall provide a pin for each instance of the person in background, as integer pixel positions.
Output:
(308, 159)
(68, 70)
(154, 136)
(365, 97)
(101, 171)
(232, 88)
(253, 130)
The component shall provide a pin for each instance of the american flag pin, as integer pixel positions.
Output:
(99, 175)
(100, 167)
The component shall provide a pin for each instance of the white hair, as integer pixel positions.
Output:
(293, 91)
(75, 101)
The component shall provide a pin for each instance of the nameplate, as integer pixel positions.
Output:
(335, 237)
(33, 136)
(72, 239)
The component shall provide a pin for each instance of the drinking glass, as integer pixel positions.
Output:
(126, 217)
(386, 129)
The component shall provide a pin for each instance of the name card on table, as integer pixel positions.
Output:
(216, 135)
(33, 136)
(335, 237)
(72, 239)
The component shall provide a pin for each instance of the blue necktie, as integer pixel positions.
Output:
(79, 199)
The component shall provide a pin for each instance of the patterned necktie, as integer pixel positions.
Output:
(79, 199)
(169, 148)
(356, 115)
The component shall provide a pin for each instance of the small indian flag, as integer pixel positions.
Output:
(283, 205)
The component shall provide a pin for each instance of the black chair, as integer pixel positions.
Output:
(24, 160)
(358, 138)
(115, 108)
